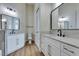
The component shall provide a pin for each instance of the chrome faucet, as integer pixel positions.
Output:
(60, 33)
(12, 32)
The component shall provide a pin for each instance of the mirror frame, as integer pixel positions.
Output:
(51, 15)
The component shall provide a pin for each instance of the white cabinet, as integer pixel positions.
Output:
(20, 41)
(53, 47)
(11, 44)
(67, 50)
(44, 45)
(14, 42)
(50, 46)
(53, 50)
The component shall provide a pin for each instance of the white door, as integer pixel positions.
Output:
(37, 28)
(11, 44)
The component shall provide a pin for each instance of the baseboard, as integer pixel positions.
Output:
(38, 47)
(14, 51)
(42, 53)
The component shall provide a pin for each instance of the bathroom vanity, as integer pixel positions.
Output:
(64, 17)
(53, 45)
(14, 42)
(12, 39)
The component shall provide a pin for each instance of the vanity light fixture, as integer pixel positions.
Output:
(9, 11)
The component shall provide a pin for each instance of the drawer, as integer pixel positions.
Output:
(53, 51)
(54, 42)
(70, 50)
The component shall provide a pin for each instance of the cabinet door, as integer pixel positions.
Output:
(69, 50)
(53, 47)
(53, 50)
(46, 45)
(42, 43)
(20, 41)
(11, 44)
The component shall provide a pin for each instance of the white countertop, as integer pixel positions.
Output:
(71, 41)
(15, 34)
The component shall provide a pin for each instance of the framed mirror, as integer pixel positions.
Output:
(65, 16)
(9, 22)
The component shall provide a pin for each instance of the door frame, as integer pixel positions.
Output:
(38, 11)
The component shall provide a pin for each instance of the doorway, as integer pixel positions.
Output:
(37, 28)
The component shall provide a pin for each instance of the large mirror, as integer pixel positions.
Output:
(9, 22)
(65, 16)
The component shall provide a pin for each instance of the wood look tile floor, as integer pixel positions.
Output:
(27, 50)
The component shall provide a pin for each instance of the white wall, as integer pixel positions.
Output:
(45, 10)
(30, 17)
(45, 17)
(36, 6)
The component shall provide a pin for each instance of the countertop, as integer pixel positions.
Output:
(15, 34)
(66, 40)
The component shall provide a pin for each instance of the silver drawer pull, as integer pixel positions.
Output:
(69, 50)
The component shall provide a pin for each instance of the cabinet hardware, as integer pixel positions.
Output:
(69, 50)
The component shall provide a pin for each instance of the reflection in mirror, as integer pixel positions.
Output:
(16, 24)
(9, 22)
(65, 16)
(63, 23)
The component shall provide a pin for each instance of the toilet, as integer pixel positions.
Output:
(30, 38)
